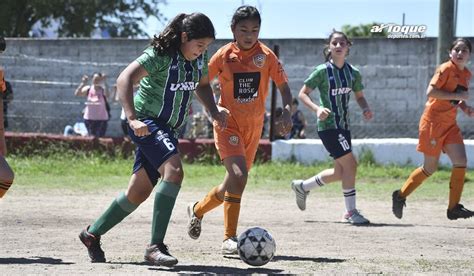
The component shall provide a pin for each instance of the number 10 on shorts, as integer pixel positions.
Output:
(344, 144)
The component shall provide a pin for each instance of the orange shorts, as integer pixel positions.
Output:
(433, 136)
(235, 141)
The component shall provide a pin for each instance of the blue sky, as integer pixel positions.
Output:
(316, 18)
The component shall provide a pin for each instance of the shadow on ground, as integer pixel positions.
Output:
(34, 260)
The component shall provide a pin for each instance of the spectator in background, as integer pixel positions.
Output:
(7, 98)
(299, 122)
(97, 110)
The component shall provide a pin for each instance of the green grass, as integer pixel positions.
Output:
(88, 173)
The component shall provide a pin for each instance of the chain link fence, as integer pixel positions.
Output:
(45, 73)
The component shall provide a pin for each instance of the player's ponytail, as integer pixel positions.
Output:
(195, 25)
(327, 52)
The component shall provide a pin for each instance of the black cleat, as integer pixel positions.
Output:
(397, 204)
(93, 246)
(459, 212)
(158, 254)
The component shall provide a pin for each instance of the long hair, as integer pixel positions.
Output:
(244, 13)
(195, 25)
(463, 40)
(326, 52)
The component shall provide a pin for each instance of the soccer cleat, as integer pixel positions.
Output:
(297, 187)
(355, 218)
(229, 246)
(397, 204)
(459, 212)
(92, 243)
(194, 223)
(158, 254)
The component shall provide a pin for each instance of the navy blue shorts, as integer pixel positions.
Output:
(154, 149)
(336, 141)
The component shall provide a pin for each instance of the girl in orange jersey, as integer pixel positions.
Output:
(439, 131)
(243, 68)
(6, 173)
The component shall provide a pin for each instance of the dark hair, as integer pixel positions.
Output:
(463, 40)
(245, 13)
(3, 45)
(326, 52)
(195, 25)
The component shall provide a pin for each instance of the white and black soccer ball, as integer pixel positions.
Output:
(256, 246)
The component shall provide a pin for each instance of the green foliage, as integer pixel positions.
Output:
(366, 157)
(363, 30)
(77, 18)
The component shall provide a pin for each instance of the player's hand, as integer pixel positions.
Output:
(368, 114)
(85, 78)
(283, 123)
(219, 118)
(323, 113)
(139, 128)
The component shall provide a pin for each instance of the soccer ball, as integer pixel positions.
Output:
(256, 246)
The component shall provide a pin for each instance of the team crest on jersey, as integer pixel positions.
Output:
(234, 140)
(259, 60)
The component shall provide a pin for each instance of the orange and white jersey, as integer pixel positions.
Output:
(448, 77)
(244, 77)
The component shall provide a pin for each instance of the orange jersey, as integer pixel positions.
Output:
(447, 77)
(244, 77)
(3, 86)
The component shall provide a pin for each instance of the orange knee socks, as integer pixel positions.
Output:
(210, 202)
(231, 214)
(414, 180)
(456, 185)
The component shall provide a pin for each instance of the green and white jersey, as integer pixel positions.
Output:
(335, 85)
(167, 92)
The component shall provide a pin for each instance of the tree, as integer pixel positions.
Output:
(77, 18)
(363, 30)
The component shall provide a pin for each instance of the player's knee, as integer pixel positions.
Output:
(240, 178)
(7, 176)
(430, 169)
(175, 175)
(460, 162)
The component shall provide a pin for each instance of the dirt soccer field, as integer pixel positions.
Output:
(39, 236)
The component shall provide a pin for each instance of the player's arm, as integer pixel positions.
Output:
(130, 75)
(321, 112)
(362, 102)
(458, 95)
(205, 95)
(286, 99)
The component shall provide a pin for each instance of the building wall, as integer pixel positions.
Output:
(44, 74)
